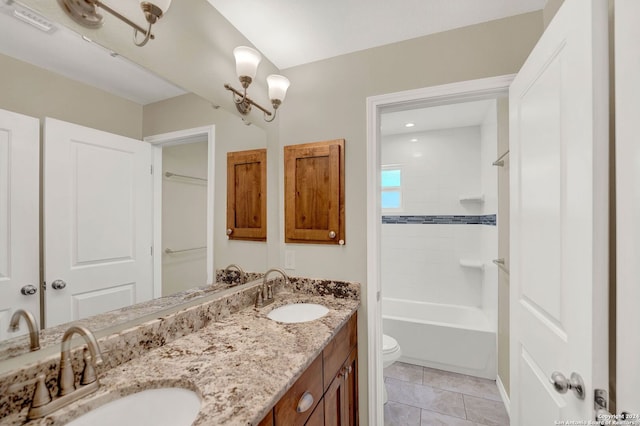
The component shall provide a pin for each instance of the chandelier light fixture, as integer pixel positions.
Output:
(247, 60)
(85, 13)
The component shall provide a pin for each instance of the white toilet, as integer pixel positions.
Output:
(391, 352)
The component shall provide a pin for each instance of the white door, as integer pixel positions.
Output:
(19, 217)
(97, 221)
(627, 78)
(559, 217)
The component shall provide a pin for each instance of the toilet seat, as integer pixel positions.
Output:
(389, 345)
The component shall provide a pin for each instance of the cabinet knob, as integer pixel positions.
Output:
(305, 402)
(229, 231)
(332, 234)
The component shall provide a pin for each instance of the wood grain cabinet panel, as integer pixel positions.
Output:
(247, 195)
(314, 192)
(293, 409)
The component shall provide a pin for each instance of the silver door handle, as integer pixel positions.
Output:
(561, 384)
(28, 290)
(58, 285)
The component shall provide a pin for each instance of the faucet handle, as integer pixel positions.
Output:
(259, 299)
(89, 372)
(269, 292)
(41, 395)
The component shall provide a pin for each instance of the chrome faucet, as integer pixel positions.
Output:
(243, 276)
(265, 294)
(34, 334)
(42, 403)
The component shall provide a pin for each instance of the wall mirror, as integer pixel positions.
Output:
(191, 188)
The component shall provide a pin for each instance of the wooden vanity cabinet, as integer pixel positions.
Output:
(291, 409)
(332, 381)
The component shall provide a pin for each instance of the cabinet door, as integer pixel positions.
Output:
(351, 388)
(334, 402)
(247, 195)
(317, 417)
(314, 192)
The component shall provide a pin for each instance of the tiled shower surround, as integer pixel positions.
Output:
(448, 217)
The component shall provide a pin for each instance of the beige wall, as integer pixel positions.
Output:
(327, 100)
(231, 134)
(549, 11)
(34, 91)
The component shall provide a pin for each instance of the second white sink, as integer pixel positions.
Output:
(157, 407)
(298, 312)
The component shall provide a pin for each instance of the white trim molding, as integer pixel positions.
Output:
(465, 91)
(177, 138)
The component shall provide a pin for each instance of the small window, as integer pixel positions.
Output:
(391, 185)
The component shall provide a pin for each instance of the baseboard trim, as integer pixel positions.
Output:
(504, 396)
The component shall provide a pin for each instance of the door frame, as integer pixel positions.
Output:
(464, 91)
(180, 137)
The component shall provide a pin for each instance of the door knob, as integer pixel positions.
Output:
(58, 285)
(28, 290)
(561, 384)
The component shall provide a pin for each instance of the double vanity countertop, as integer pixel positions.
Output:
(240, 365)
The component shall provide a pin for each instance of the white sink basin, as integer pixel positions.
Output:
(298, 312)
(157, 407)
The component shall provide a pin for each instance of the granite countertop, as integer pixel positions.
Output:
(240, 365)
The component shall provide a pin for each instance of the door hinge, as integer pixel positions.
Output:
(151, 169)
(151, 249)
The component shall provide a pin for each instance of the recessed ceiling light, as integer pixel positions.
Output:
(409, 125)
(414, 140)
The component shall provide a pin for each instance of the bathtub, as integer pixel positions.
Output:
(447, 337)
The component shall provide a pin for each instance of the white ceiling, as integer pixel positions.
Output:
(294, 32)
(436, 117)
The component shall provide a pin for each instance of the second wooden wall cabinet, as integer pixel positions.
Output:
(314, 192)
(247, 195)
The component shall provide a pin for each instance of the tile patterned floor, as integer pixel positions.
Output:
(421, 396)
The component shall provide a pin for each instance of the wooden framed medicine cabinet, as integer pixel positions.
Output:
(247, 195)
(314, 192)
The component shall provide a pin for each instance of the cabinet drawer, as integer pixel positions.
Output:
(337, 351)
(310, 383)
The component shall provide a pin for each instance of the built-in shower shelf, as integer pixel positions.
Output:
(471, 263)
(472, 198)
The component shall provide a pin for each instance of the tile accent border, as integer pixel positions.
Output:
(488, 219)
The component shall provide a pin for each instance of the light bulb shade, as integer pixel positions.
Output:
(278, 86)
(247, 60)
(162, 4)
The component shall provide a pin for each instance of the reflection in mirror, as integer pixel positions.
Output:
(50, 71)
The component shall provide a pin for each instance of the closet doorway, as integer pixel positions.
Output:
(183, 190)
